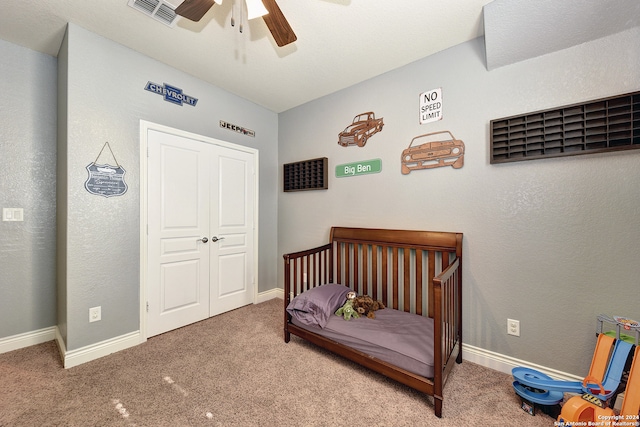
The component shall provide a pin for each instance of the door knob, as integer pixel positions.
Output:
(203, 240)
(215, 238)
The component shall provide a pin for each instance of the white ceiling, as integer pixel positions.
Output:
(340, 42)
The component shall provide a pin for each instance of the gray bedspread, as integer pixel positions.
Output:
(403, 339)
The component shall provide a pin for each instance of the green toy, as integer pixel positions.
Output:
(347, 309)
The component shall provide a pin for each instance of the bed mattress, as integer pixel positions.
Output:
(403, 339)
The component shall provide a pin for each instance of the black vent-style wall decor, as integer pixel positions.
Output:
(607, 124)
(306, 175)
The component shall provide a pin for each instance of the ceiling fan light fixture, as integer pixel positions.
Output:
(255, 9)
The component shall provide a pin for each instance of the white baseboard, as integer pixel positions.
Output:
(271, 294)
(486, 358)
(27, 339)
(502, 363)
(95, 351)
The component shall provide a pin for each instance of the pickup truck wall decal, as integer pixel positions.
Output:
(363, 127)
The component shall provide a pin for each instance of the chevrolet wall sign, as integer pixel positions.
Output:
(171, 94)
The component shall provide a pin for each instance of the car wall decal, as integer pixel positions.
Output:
(363, 127)
(432, 150)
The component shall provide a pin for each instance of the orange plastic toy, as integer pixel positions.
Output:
(583, 409)
(600, 359)
(631, 403)
(588, 408)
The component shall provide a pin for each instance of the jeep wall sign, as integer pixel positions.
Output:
(236, 128)
(171, 94)
(431, 106)
(105, 180)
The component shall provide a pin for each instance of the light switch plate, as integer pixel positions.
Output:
(12, 214)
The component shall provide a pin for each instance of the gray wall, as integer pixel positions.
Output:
(27, 180)
(100, 97)
(61, 186)
(106, 99)
(551, 242)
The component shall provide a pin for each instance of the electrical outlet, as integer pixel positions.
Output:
(513, 327)
(95, 314)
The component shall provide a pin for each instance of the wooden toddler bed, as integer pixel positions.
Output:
(418, 272)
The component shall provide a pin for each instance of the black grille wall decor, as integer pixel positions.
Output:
(607, 124)
(306, 175)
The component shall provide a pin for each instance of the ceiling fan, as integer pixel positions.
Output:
(280, 29)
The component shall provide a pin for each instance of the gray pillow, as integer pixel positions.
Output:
(316, 305)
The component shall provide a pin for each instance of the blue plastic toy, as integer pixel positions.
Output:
(538, 388)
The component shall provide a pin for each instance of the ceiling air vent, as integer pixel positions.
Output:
(160, 10)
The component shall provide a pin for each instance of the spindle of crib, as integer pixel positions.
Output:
(449, 298)
(419, 262)
(366, 267)
(374, 269)
(307, 269)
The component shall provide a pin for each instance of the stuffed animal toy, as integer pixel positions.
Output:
(347, 309)
(365, 306)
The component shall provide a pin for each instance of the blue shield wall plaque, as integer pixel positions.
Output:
(105, 180)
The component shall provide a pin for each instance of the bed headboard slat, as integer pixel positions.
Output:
(431, 268)
(407, 277)
(396, 267)
(407, 260)
(374, 267)
(394, 277)
(419, 284)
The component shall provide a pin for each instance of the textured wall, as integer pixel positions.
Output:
(551, 242)
(105, 102)
(28, 181)
(516, 30)
(61, 186)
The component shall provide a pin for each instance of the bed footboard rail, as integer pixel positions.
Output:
(447, 323)
(305, 270)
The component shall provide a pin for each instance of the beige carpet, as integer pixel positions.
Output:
(235, 370)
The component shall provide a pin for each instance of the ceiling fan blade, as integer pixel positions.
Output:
(280, 29)
(194, 10)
